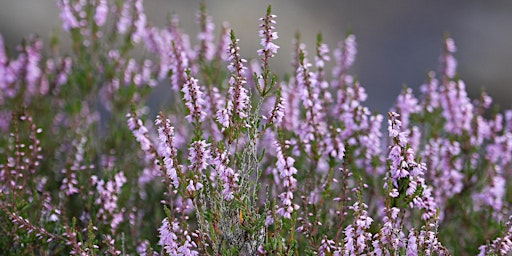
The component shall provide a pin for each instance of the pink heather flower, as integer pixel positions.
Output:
(412, 246)
(356, 235)
(322, 55)
(403, 166)
(100, 15)
(239, 97)
(345, 56)
(292, 103)
(314, 127)
(139, 23)
(268, 35)
(228, 176)
(33, 72)
(238, 103)
(194, 186)
(157, 41)
(69, 185)
(321, 58)
(393, 125)
(108, 194)
(205, 36)
(349, 110)
(62, 76)
(508, 121)
(394, 193)
(223, 45)
(130, 69)
(390, 235)
(499, 150)
(70, 182)
(194, 100)
(223, 117)
(501, 245)
(67, 15)
(372, 144)
(492, 195)
(139, 131)
(179, 64)
(167, 148)
(406, 104)
(199, 154)
(457, 108)
(431, 94)
(168, 237)
(3, 70)
(125, 20)
(448, 61)
(286, 171)
(334, 146)
(277, 113)
(446, 166)
(327, 246)
(269, 220)
(142, 248)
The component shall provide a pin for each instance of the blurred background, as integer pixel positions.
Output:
(398, 41)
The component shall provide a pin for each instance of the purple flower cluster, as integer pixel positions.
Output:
(268, 35)
(167, 149)
(404, 168)
(286, 170)
(169, 239)
(244, 162)
(238, 103)
(229, 177)
(194, 100)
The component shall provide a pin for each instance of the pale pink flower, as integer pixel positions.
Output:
(101, 12)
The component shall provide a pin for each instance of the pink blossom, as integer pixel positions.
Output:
(67, 15)
(125, 19)
(101, 12)
(228, 176)
(167, 148)
(449, 62)
(139, 23)
(286, 171)
(238, 103)
(276, 115)
(199, 154)
(345, 56)
(194, 100)
(268, 35)
(205, 36)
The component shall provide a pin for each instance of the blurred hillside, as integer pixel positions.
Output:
(399, 41)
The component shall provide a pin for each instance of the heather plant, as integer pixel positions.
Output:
(243, 161)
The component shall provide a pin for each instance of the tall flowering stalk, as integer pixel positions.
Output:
(313, 130)
(238, 103)
(194, 101)
(206, 47)
(267, 34)
(167, 149)
(226, 174)
(170, 241)
(286, 172)
(406, 175)
(345, 56)
(357, 237)
(457, 108)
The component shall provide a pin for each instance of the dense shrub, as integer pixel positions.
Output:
(243, 161)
